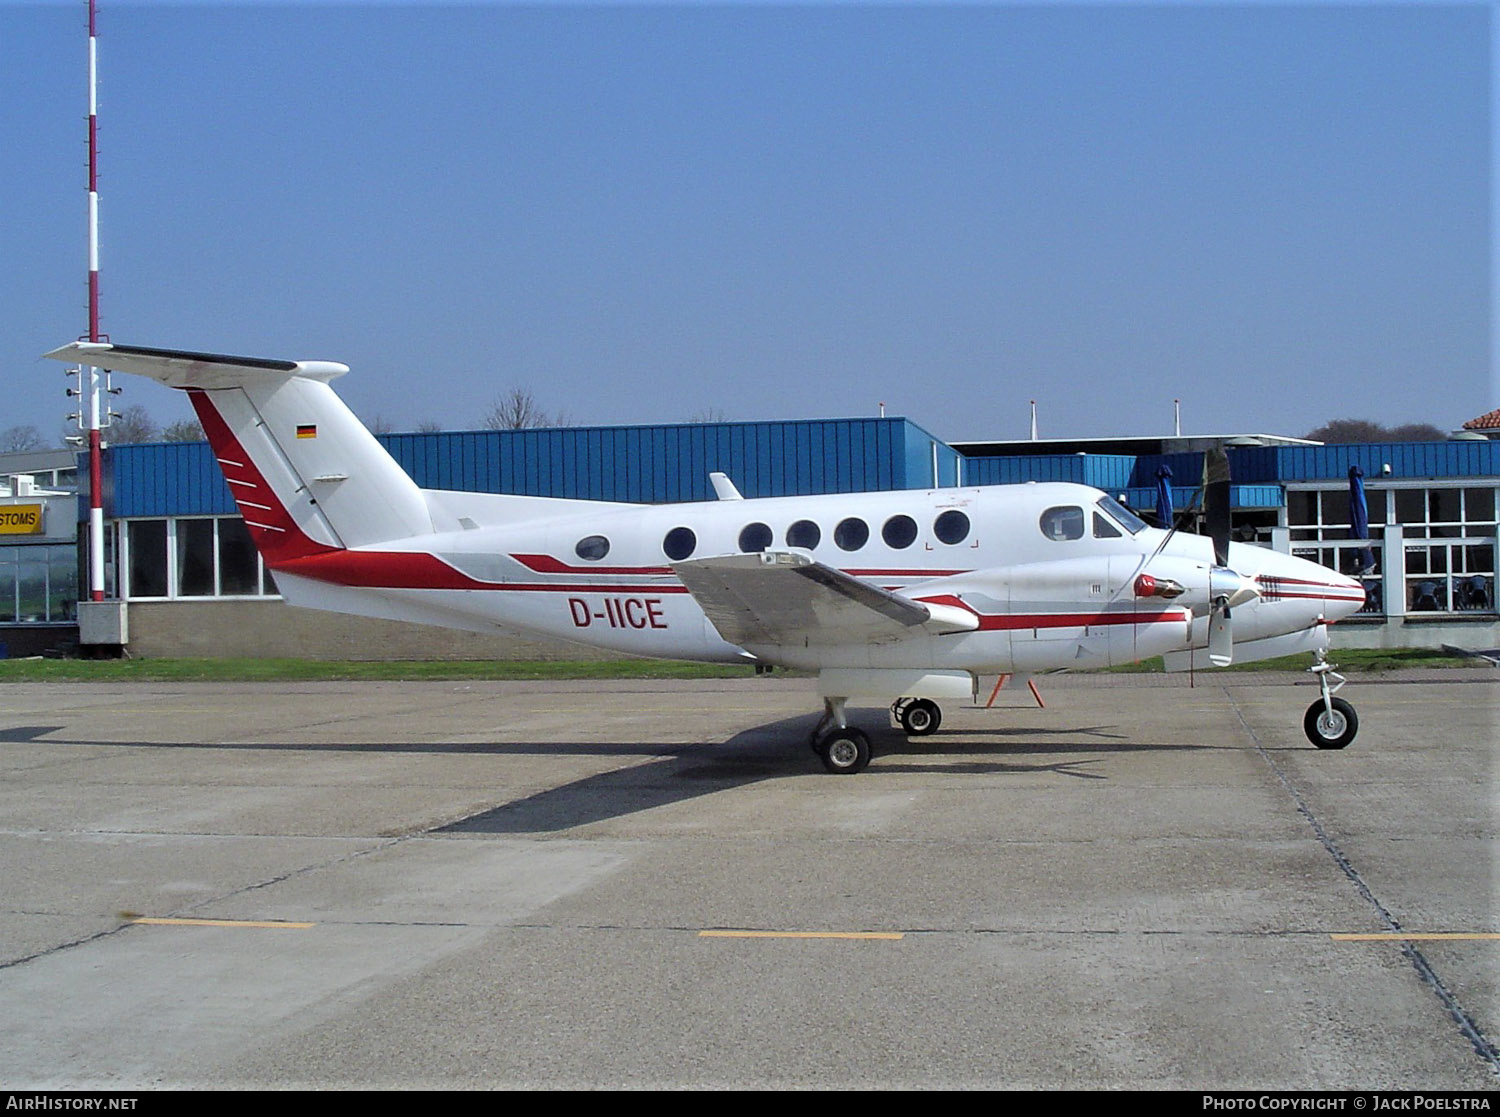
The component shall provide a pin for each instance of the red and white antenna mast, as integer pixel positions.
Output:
(89, 385)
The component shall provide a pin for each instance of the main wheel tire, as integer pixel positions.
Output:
(844, 751)
(920, 717)
(1330, 730)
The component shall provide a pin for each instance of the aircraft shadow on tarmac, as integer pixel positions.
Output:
(776, 751)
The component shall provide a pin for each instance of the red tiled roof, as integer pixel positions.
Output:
(1489, 421)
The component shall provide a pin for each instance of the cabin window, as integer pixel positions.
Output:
(755, 537)
(1063, 523)
(804, 534)
(679, 543)
(592, 547)
(899, 532)
(851, 534)
(951, 527)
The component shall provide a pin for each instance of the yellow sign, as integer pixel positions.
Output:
(20, 519)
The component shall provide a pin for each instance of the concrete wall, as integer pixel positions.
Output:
(270, 629)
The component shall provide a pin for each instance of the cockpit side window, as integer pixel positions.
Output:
(1121, 515)
(1062, 523)
(1103, 529)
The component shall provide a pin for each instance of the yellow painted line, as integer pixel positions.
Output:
(274, 924)
(1401, 936)
(888, 935)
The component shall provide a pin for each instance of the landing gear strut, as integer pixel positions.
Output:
(843, 749)
(1330, 723)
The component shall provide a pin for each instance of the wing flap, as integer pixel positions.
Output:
(783, 598)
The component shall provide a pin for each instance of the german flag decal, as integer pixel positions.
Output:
(307, 430)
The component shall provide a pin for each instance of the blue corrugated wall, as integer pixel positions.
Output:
(644, 464)
(657, 464)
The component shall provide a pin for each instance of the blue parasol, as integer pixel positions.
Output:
(1164, 514)
(1359, 517)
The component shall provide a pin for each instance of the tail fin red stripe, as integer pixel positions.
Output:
(274, 532)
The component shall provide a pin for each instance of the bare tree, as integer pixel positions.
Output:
(517, 410)
(709, 415)
(1343, 431)
(16, 439)
(184, 430)
(429, 426)
(134, 424)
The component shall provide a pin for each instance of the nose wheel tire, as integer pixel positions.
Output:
(1330, 729)
(920, 717)
(844, 751)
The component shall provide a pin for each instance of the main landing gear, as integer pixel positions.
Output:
(919, 717)
(843, 749)
(1330, 723)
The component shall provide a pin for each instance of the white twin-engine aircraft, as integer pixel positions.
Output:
(906, 597)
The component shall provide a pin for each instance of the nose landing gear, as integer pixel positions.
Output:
(1330, 723)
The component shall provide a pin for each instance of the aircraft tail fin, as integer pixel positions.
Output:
(307, 475)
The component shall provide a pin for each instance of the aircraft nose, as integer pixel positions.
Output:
(1332, 594)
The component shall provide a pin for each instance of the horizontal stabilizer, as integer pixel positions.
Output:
(179, 368)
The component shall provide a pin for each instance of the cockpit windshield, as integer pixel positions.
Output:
(1121, 515)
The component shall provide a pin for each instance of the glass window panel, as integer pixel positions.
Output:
(8, 560)
(1479, 506)
(899, 532)
(679, 543)
(148, 558)
(754, 538)
(851, 534)
(1411, 506)
(1335, 507)
(1443, 504)
(805, 534)
(195, 558)
(238, 570)
(1479, 560)
(1062, 523)
(62, 583)
(952, 527)
(1301, 508)
(31, 582)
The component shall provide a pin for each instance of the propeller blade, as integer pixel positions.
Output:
(1220, 636)
(1216, 501)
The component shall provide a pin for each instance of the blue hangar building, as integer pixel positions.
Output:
(187, 581)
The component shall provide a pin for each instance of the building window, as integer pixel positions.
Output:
(1448, 542)
(192, 557)
(147, 540)
(38, 583)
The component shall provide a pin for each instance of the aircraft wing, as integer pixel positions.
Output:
(778, 597)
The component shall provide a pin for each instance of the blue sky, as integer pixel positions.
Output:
(1279, 213)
